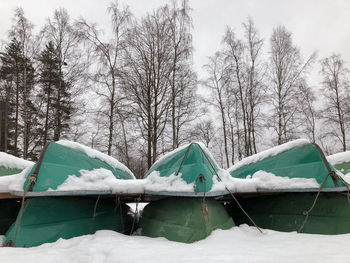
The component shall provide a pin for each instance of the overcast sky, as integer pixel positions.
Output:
(321, 25)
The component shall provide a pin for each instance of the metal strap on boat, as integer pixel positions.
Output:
(29, 187)
(228, 190)
(330, 171)
(183, 159)
(307, 213)
(34, 176)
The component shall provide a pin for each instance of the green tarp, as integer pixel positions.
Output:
(60, 161)
(299, 162)
(46, 219)
(343, 167)
(8, 171)
(184, 219)
(285, 212)
(330, 213)
(192, 163)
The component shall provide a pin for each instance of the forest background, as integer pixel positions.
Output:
(134, 88)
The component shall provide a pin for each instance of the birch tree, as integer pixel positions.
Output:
(107, 49)
(60, 31)
(287, 73)
(218, 83)
(149, 67)
(336, 90)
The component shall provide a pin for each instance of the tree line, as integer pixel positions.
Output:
(131, 90)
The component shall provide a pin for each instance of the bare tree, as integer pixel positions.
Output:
(308, 112)
(287, 73)
(60, 31)
(235, 57)
(108, 51)
(181, 43)
(204, 131)
(218, 83)
(336, 90)
(149, 67)
(255, 83)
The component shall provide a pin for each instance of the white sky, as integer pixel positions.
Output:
(321, 25)
(317, 25)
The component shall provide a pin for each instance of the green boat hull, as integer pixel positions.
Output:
(285, 212)
(58, 162)
(304, 161)
(184, 219)
(48, 219)
(192, 163)
(8, 171)
(8, 213)
(343, 167)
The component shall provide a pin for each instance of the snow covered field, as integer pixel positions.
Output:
(239, 244)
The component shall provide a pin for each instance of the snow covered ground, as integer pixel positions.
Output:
(239, 244)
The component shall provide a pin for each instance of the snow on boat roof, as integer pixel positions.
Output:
(268, 153)
(338, 158)
(168, 154)
(14, 182)
(96, 154)
(12, 162)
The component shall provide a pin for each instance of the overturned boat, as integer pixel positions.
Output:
(49, 211)
(9, 207)
(296, 190)
(189, 174)
(10, 164)
(340, 161)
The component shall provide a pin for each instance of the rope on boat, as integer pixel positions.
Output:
(31, 182)
(204, 207)
(307, 213)
(94, 214)
(183, 159)
(334, 177)
(228, 190)
(135, 214)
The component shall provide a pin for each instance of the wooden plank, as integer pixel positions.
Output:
(8, 196)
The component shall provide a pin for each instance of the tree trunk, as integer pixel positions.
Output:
(47, 115)
(16, 120)
(25, 110)
(125, 142)
(225, 133)
(111, 118)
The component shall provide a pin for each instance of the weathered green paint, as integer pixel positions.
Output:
(299, 162)
(8, 213)
(8, 171)
(284, 212)
(343, 167)
(183, 219)
(60, 161)
(46, 219)
(189, 163)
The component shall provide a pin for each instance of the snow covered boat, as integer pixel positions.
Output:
(340, 161)
(9, 166)
(46, 218)
(191, 172)
(318, 210)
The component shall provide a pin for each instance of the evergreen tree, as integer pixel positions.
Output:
(48, 80)
(10, 74)
(55, 93)
(17, 100)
